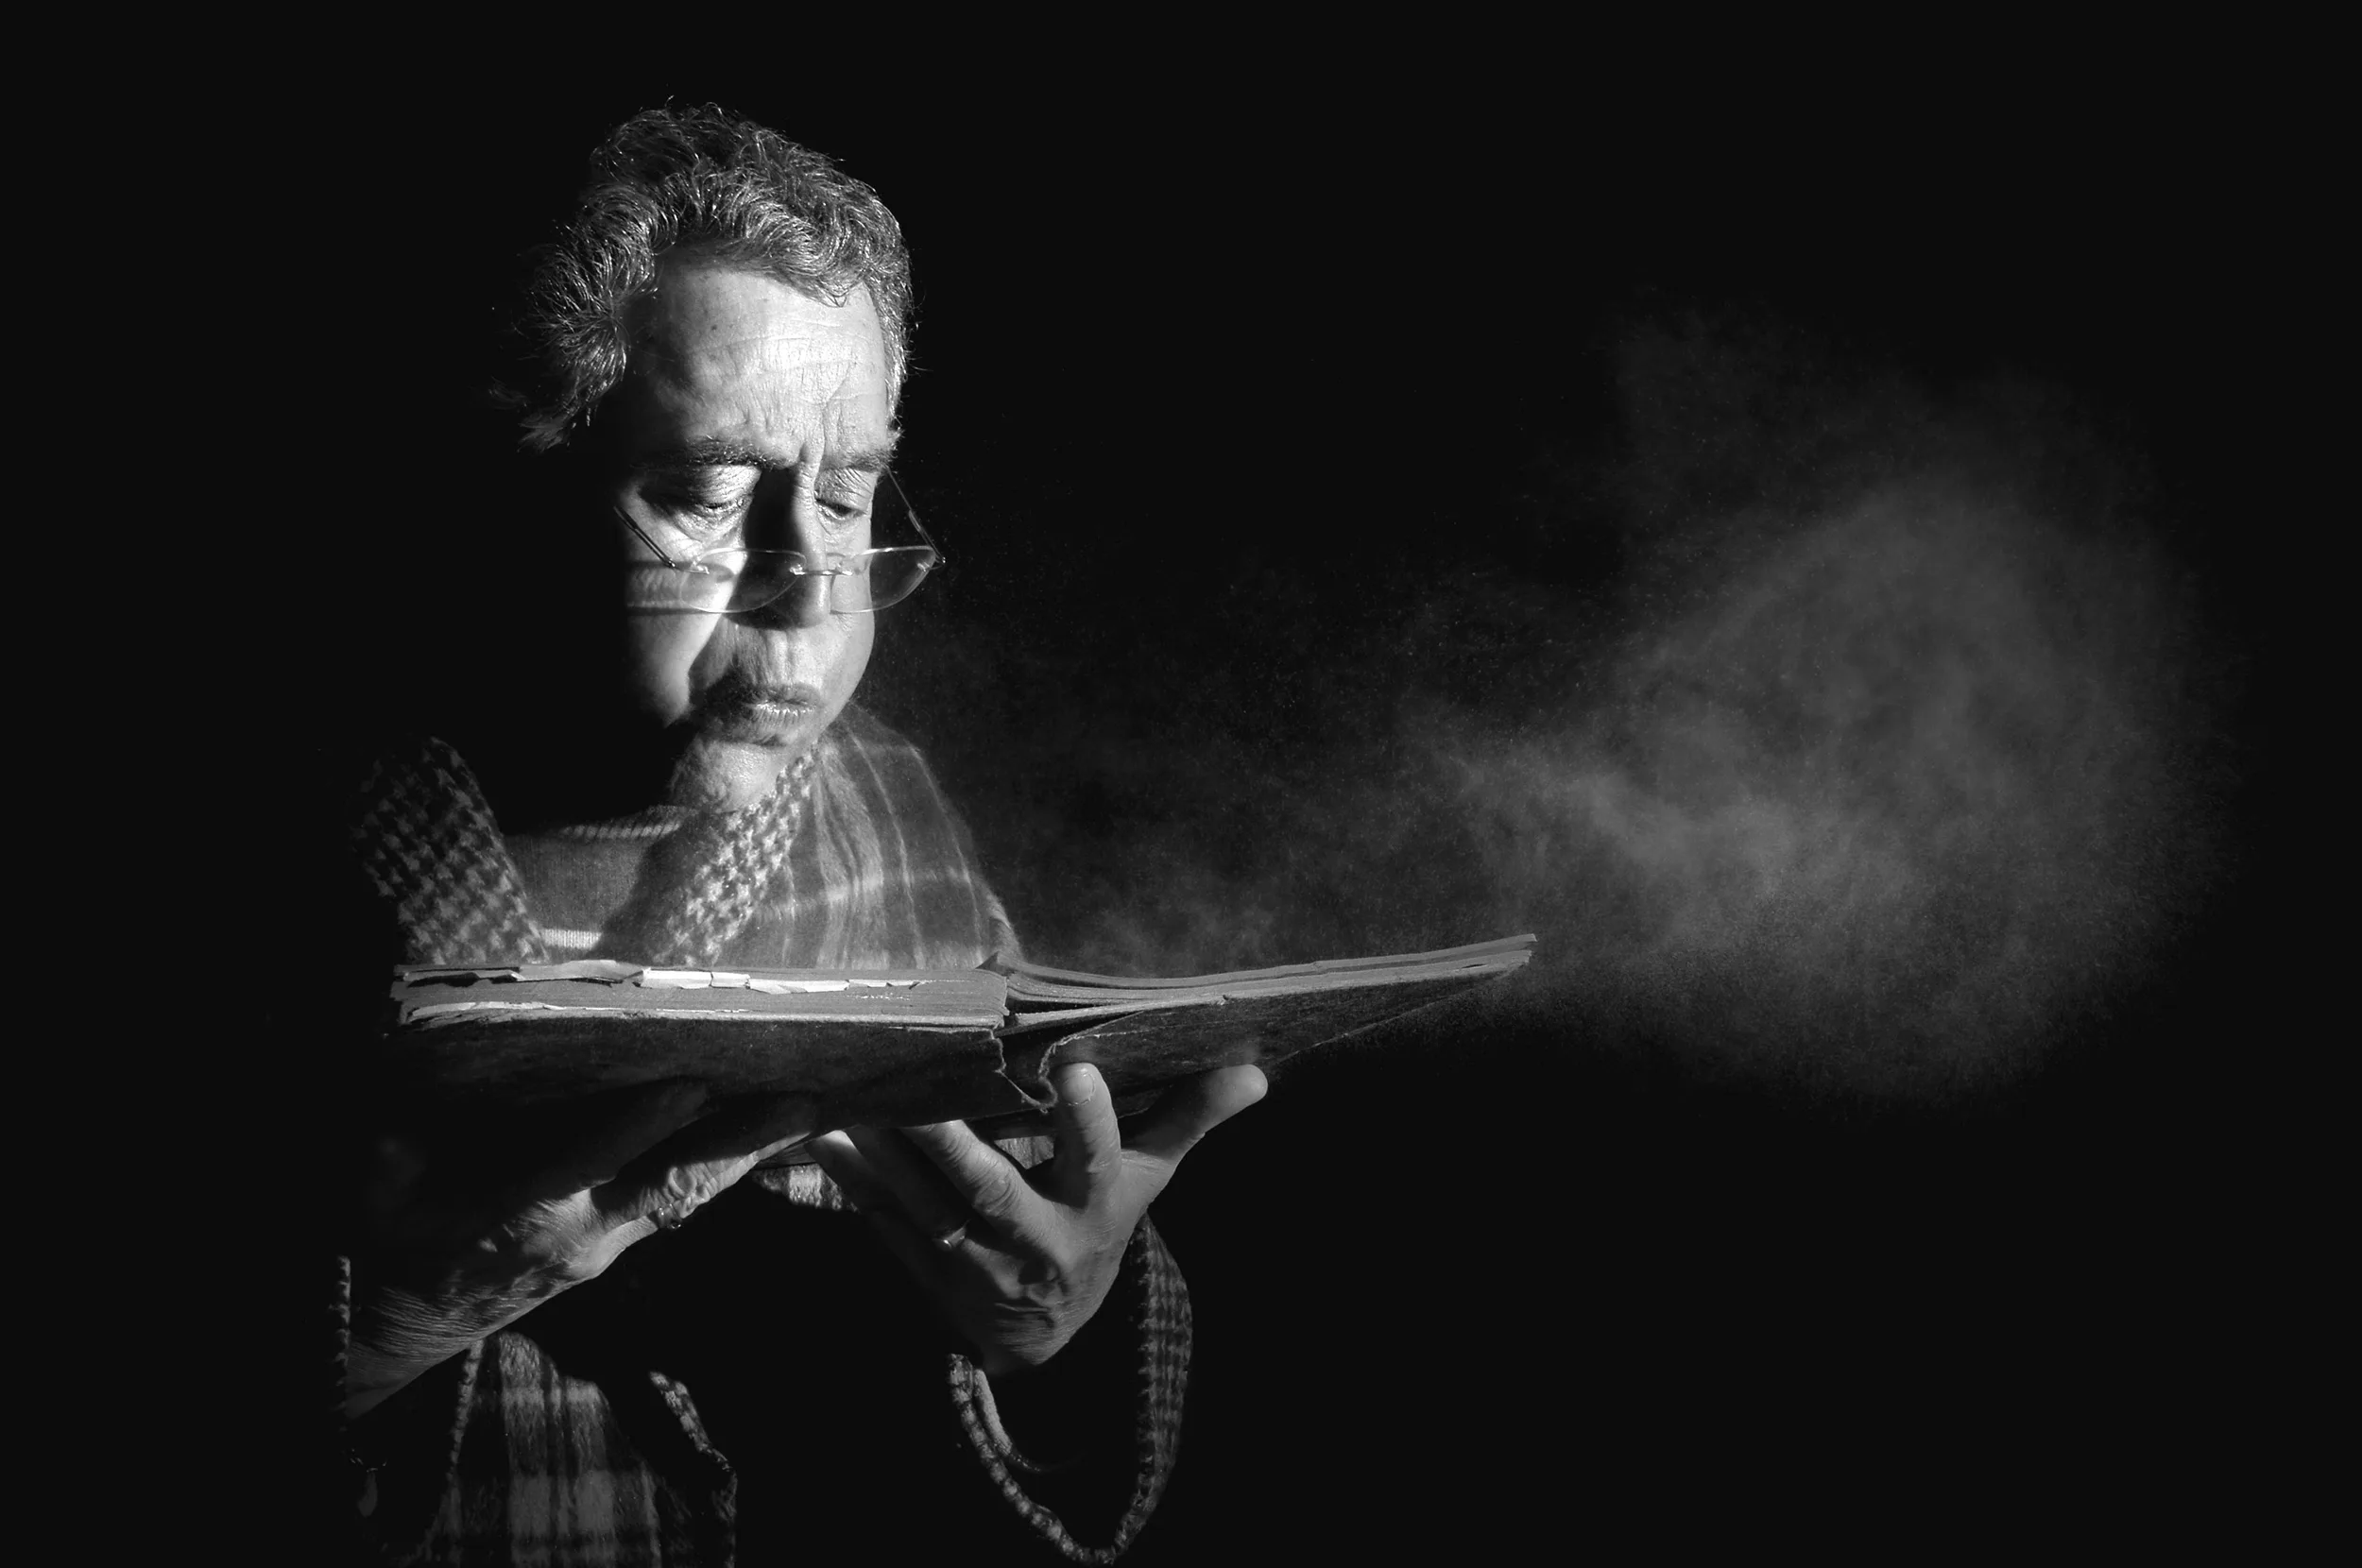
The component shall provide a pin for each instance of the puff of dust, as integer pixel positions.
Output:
(1883, 809)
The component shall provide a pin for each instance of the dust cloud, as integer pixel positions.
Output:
(1886, 805)
(1884, 750)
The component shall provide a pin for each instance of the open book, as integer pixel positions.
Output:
(886, 1048)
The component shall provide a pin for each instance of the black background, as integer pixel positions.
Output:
(1189, 361)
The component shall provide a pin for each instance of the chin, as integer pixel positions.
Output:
(728, 775)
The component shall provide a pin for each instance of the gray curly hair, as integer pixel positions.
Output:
(718, 186)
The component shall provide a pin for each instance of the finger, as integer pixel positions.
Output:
(789, 1142)
(837, 1154)
(1090, 1143)
(845, 1164)
(599, 1154)
(737, 1128)
(921, 1257)
(666, 1198)
(985, 1181)
(682, 1174)
(913, 1188)
(1192, 1109)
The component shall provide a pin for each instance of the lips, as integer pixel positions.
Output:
(740, 710)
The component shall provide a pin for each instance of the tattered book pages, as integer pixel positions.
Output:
(884, 1048)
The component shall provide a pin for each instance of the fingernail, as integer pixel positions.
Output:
(1081, 1084)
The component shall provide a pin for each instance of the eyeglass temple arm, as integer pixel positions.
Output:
(912, 512)
(641, 535)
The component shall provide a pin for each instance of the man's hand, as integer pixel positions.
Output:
(1019, 1260)
(444, 1268)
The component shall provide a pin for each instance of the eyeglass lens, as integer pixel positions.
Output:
(735, 581)
(741, 580)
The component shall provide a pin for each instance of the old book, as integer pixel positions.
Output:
(887, 1049)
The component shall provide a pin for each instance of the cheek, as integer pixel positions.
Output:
(662, 656)
(862, 635)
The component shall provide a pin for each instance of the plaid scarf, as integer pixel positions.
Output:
(855, 862)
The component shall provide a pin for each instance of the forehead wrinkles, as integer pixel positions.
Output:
(791, 381)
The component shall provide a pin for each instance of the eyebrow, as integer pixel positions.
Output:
(720, 452)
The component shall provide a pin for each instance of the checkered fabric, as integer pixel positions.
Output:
(500, 1456)
(426, 841)
(709, 874)
(1152, 1299)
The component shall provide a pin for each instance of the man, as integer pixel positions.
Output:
(722, 340)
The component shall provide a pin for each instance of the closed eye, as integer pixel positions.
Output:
(701, 503)
(844, 495)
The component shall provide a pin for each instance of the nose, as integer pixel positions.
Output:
(791, 523)
(804, 604)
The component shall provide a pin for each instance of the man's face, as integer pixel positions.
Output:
(757, 414)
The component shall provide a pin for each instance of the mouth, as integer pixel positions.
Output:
(741, 711)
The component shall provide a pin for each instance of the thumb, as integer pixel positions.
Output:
(1192, 1109)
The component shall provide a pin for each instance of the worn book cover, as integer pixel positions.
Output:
(880, 1048)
